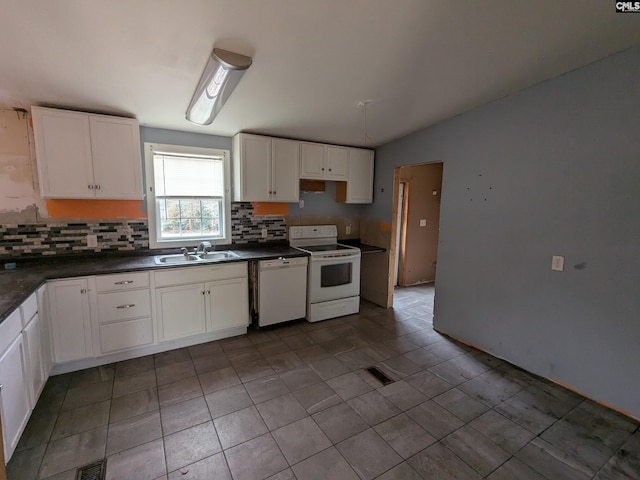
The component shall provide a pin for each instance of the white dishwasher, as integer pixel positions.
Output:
(282, 290)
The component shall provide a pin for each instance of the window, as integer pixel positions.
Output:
(187, 195)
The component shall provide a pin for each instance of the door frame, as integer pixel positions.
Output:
(394, 222)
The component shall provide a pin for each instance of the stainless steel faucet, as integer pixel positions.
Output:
(204, 247)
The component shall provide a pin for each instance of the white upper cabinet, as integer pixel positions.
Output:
(359, 187)
(285, 170)
(324, 162)
(265, 169)
(337, 167)
(82, 155)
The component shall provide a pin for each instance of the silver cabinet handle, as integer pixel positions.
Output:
(127, 305)
(123, 282)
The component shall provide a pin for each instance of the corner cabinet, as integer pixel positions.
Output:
(197, 300)
(265, 169)
(102, 152)
(359, 185)
(15, 406)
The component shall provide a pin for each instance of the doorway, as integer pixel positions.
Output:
(416, 223)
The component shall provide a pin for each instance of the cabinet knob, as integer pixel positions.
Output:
(90, 187)
(208, 292)
(83, 291)
(329, 169)
(97, 187)
(323, 169)
(274, 192)
(202, 293)
(1, 387)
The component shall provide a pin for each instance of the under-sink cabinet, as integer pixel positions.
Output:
(197, 300)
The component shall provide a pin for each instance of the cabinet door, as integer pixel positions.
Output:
(254, 168)
(227, 303)
(337, 163)
(63, 153)
(117, 167)
(32, 337)
(181, 311)
(14, 396)
(70, 321)
(312, 158)
(43, 316)
(360, 183)
(285, 170)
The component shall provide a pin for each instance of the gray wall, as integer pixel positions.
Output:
(554, 169)
(173, 137)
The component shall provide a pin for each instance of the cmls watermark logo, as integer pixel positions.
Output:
(628, 7)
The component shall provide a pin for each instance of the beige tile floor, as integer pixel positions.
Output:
(294, 402)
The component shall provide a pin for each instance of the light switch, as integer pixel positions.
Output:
(92, 241)
(347, 229)
(423, 222)
(557, 263)
(265, 232)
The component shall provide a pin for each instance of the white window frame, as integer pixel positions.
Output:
(149, 149)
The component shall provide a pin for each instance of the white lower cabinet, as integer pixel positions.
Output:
(123, 312)
(181, 311)
(32, 338)
(197, 300)
(70, 319)
(15, 406)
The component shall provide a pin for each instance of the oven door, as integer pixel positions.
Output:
(334, 276)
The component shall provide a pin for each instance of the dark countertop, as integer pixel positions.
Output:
(364, 248)
(17, 284)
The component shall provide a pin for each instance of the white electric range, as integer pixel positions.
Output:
(333, 287)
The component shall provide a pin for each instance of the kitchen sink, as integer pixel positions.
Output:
(213, 256)
(205, 257)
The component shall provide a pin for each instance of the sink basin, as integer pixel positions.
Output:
(180, 258)
(213, 256)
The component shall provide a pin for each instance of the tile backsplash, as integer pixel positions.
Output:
(126, 235)
(65, 238)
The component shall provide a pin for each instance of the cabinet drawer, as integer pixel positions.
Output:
(180, 276)
(122, 281)
(129, 334)
(123, 305)
(29, 308)
(10, 330)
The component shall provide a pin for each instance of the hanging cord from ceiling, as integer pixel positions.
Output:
(365, 132)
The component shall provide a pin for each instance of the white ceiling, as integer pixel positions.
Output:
(417, 61)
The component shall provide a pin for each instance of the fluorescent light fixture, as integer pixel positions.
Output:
(221, 75)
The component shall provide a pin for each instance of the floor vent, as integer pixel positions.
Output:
(93, 471)
(379, 375)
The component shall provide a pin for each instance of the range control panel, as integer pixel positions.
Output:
(312, 231)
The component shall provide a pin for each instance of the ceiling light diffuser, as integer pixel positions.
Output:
(221, 75)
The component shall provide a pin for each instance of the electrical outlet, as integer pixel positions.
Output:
(301, 204)
(423, 222)
(92, 241)
(264, 233)
(347, 229)
(557, 263)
